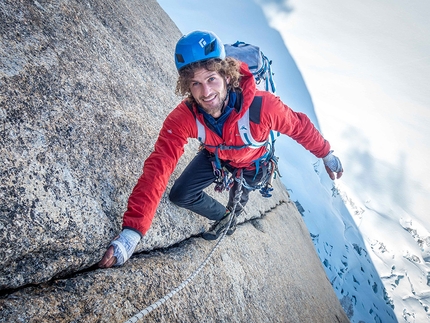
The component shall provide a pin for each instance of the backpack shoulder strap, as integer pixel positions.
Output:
(201, 132)
(255, 109)
(253, 114)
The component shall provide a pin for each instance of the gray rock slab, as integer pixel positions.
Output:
(265, 274)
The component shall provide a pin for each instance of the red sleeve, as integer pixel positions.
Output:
(296, 125)
(157, 168)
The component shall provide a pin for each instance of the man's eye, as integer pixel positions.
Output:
(212, 79)
(194, 83)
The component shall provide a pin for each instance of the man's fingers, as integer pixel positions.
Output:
(330, 173)
(108, 259)
(111, 262)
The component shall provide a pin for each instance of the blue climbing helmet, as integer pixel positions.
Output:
(198, 46)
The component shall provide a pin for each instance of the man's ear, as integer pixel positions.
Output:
(227, 80)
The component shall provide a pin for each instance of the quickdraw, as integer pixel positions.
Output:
(223, 182)
(267, 188)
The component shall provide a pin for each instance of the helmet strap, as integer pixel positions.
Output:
(225, 99)
(227, 87)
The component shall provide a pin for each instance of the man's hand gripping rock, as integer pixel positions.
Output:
(120, 249)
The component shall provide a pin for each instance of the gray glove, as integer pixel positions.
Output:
(124, 245)
(333, 165)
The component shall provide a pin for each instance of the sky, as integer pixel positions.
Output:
(360, 71)
(367, 66)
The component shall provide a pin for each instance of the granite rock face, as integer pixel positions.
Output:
(84, 89)
(264, 274)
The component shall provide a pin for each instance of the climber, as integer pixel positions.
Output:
(219, 92)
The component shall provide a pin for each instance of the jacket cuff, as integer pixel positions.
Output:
(135, 230)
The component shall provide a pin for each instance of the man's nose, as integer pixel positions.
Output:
(206, 89)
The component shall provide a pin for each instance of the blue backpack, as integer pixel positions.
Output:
(258, 63)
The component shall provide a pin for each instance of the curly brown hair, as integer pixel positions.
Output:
(228, 67)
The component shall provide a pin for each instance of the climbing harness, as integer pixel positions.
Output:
(268, 163)
(161, 301)
(224, 180)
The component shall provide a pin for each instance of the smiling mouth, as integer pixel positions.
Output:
(209, 99)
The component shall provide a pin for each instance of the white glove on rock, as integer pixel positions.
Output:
(124, 245)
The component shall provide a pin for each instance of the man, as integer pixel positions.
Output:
(220, 94)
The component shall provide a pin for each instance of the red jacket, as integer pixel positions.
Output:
(180, 125)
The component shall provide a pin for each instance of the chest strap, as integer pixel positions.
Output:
(243, 126)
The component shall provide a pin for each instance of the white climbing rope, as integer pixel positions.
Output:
(161, 301)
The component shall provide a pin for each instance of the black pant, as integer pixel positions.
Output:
(187, 192)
